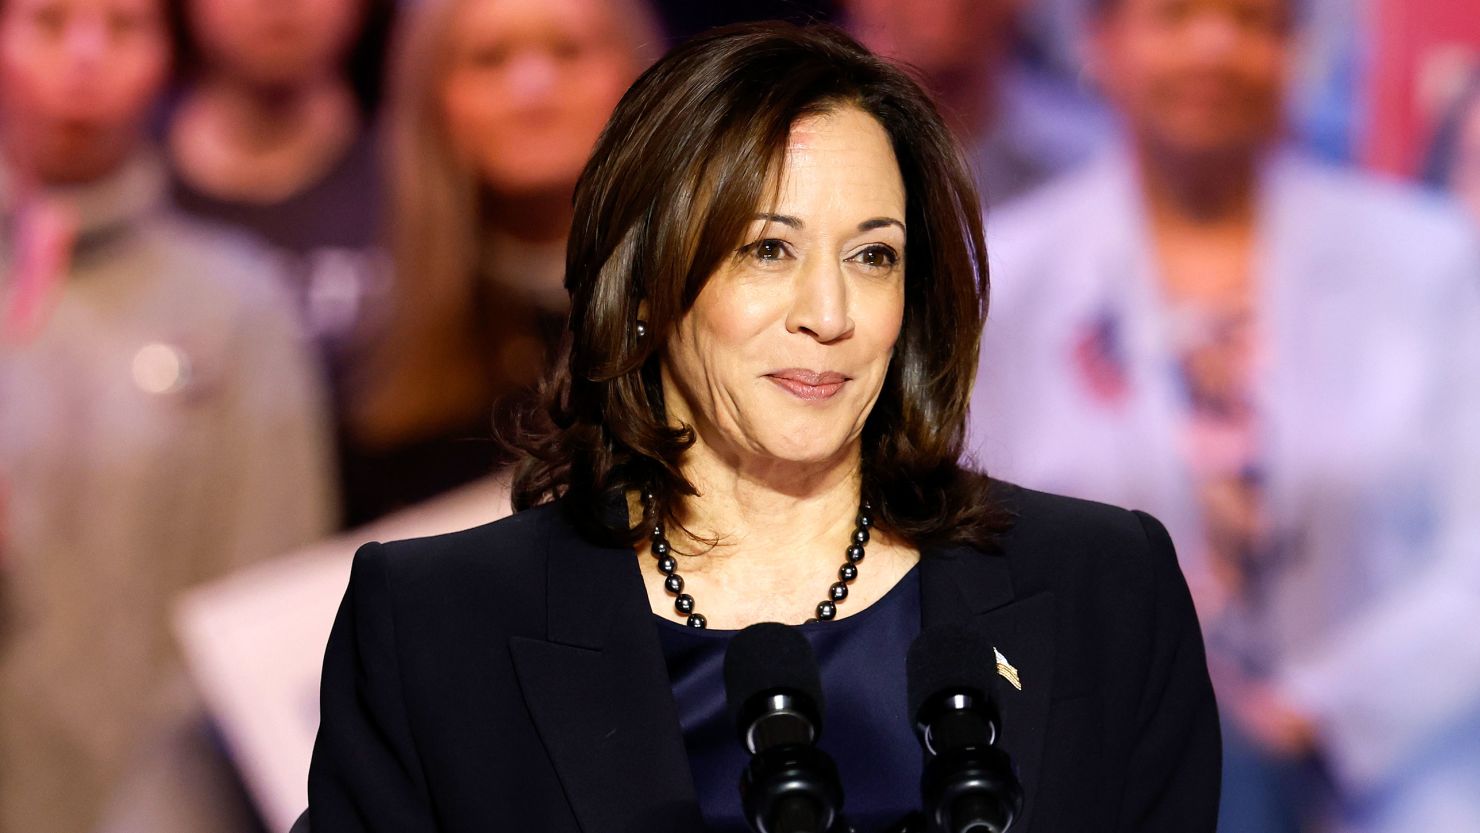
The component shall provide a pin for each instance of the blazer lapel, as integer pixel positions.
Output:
(598, 691)
(965, 586)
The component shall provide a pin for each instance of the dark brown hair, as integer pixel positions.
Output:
(672, 186)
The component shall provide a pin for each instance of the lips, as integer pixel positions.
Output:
(806, 384)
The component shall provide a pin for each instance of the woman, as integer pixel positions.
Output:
(748, 370)
(493, 110)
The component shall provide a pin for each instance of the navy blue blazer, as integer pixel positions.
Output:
(510, 678)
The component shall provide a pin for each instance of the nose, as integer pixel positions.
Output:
(86, 41)
(819, 305)
(1214, 35)
(531, 76)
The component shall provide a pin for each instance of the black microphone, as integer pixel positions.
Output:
(774, 693)
(968, 785)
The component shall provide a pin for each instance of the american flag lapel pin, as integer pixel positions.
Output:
(1007, 672)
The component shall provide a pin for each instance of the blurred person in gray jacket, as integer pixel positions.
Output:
(1282, 361)
(160, 420)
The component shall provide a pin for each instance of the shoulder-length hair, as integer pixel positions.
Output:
(681, 168)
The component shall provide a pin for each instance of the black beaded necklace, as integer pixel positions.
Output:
(827, 609)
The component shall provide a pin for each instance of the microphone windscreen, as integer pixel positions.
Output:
(767, 656)
(949, 657)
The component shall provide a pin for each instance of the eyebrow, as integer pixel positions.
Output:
(879, 222)
(796, 222)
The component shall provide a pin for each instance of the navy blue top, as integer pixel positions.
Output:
(866, 725)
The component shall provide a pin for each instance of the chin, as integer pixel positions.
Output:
(813, 446)
(538, 176)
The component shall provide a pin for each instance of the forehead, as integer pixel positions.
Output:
(516, 19)
(844, 147)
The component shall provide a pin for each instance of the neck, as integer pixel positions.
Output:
(1204, 189)
(539, 217)
(765, 516)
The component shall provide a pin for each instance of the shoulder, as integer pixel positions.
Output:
(1396, 224)
(225, 274)
(1086, 551)
(1373, 197)
(498, 568)
(1062, 527)
(1122, 610)
(517, 543)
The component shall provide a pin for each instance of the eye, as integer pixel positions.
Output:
(51, 18)
(566, 50)
(487, 56)
(122, 24)
(877, 257)
(768, 250)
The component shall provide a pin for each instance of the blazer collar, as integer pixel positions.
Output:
(598, 690)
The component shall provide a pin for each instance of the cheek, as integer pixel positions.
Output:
(718, 336)
(21, 81)
(731, 318)
(138, 78)
(883, 322)
(1267, 70)
(470, 113)
(596, 91)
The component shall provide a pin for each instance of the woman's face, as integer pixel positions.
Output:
(785, 350)
(275, 42)
(529, 87)
(77, 79)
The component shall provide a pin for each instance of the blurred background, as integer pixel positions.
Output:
(272, 273)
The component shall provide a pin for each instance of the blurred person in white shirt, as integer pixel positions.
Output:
(1282, 361)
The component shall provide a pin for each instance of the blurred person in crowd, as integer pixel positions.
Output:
(271, 133)
(495, 107)
(160, 418)
(1020, 125)
(1283, 362)
(1454, 159)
